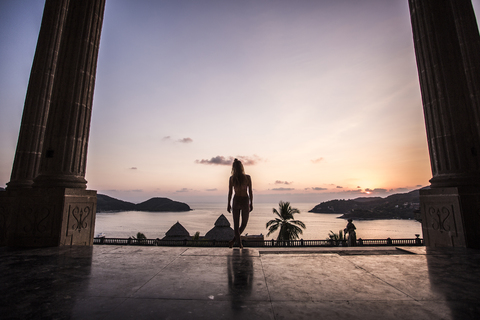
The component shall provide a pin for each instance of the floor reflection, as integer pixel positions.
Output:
(454, 275)
(240, 277)
(43, 283)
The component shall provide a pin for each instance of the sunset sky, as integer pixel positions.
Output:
(320, 99)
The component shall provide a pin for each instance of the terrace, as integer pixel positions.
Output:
(160, 282)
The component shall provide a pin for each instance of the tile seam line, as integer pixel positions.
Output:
(268, 290)
(197, 299)
(165, 266)
(375, 276)
(288, 300)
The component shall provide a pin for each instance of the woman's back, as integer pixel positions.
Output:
(240, 186)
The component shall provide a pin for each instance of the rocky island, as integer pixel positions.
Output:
(395, 206)
(109, 204)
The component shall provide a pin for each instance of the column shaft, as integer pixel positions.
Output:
(66, 138)
(37, 101)
(447, 43)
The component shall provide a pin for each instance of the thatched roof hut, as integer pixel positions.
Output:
(222, 230)
(177, 232)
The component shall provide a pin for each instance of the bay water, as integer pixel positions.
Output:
(203, 216)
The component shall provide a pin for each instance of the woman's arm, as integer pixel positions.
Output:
(250, 192)
(230, 191)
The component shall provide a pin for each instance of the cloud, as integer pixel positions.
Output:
(249, 161)
(358, 187)
(418, 186)
(218, 160)
(318, 160)
(283, 182)
(283, 189)
(376, 190)
(185, 140)
(353, 191)
(131, 190)
(215, 189)
(183, 190)
(133, 168)
(339, 187)
(318, 189)
(227, 161)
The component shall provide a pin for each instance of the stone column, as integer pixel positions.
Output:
(66, 138)
(447, 43)
(58, 210)
(37, 101)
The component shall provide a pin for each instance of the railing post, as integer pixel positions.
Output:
(418, 242)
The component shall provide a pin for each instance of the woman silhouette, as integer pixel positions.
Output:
(242, 200)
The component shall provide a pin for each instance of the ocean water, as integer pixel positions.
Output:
(203, 216)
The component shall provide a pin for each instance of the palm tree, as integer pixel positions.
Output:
(289, 228)
(336, 239)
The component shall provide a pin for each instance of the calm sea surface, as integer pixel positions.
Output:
(203, 216)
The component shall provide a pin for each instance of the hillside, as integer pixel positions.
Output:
(395, 206)
(162, 204)
(106, 203)
(109, 204)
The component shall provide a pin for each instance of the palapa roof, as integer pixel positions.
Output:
(222, 221)
(222, 230)
(177, 232)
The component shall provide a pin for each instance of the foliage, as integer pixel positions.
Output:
(336, 236)
(196, 236)
(290, 229)
(141, 236)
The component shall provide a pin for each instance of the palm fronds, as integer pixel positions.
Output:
(290, 229)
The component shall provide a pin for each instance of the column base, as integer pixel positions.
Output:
(451, 217)
(46, 217)
(6, 202)
(60, 180)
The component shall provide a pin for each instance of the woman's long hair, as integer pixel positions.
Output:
(238, 173)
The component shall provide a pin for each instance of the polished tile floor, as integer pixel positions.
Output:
(128, 282)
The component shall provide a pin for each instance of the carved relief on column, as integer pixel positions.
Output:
(53, 217)
(66, 138)
(79, 224)
(446, 46)
(37, 101)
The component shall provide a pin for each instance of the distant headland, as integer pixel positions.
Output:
(109, 204)
(395, 206)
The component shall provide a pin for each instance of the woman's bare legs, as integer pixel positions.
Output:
(236, 222)
(245, 216)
